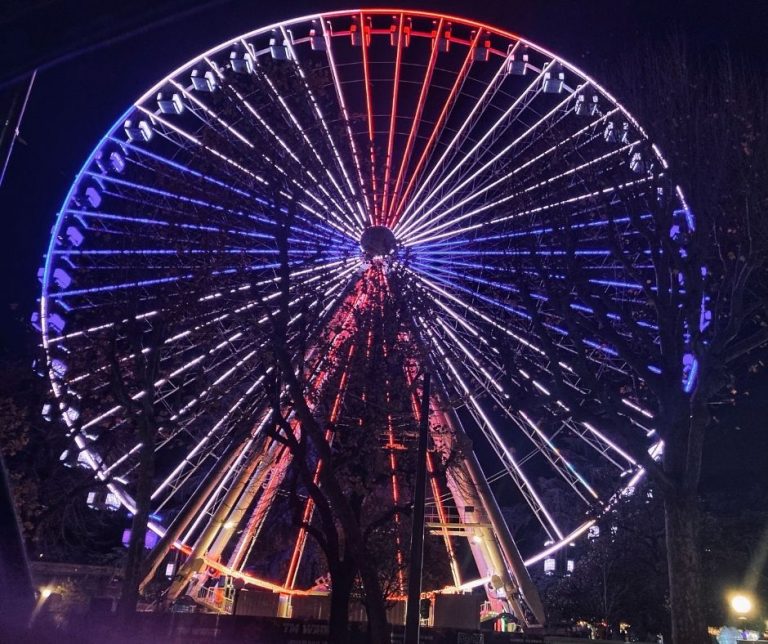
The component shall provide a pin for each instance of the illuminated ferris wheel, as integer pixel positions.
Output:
(489, 189)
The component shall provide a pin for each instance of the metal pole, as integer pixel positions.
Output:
(8, 136)
(412, 616)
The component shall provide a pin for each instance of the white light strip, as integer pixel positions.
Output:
(491, 88)
(414, 225)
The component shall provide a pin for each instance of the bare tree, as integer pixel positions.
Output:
(347, 481)
(691, 241)
(709, 115)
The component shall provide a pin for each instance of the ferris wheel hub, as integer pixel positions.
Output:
(378, 241)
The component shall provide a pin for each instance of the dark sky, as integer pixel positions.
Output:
(76, 100)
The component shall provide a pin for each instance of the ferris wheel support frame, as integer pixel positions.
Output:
(182, 520)
(496, 551)
(456, 190)
(196, 559)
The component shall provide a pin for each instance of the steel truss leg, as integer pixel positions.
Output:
(233, 519)
(495, 551)
(195, 561)
(188, 513)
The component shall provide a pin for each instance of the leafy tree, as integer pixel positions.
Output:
(620, 574)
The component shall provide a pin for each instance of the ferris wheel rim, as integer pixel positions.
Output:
(60, 218)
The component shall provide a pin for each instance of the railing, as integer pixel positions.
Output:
(218, 598)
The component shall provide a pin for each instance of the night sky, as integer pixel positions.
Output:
(76, 100)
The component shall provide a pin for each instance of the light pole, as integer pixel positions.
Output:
(412, 614)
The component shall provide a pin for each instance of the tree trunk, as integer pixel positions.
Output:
(129, 594)
(378, 629)
(685, 577)
(342, 580)
(375, 606)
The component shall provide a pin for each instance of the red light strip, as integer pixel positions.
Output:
(392, 446)
(415, 405)
(359, 301)
(437, 16)
(309, 507)
(419, 110)
(436, 130)
(393, 115)
(364, 35)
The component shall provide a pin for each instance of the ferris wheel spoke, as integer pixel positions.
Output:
(208, 116)
(499, 126)
(365, 37)
(329, 137)
(416, 119)
(350, 214)
(198, 357)
(345, 115)
(451, 149)
(399, 200)
(335, 219)
(246, 195)
(568, 142)
(392, 120)
(502, 396)
(204, 447)
(602, 353)
(487, 168)
(263, 344)
(602, 193)
(503, 275)
(509, 462)
(518, 312)
(156, 120)
(545, 184)
(603, 445)
(541, 442)
(198, 321)
(134, 285)
(441, 293)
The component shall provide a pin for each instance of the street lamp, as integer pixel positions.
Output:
(741, 604)
(45, 593)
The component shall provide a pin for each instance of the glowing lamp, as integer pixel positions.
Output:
(741, 604)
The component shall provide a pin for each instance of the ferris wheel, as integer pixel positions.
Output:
(493, 190)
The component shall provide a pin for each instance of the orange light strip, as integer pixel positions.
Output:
(309, 506)
(453, 562)
(391, 446)
(393, 114)
(457, 83)
(360, 299)
(436, 16)
(365, 36)
(419, 111)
